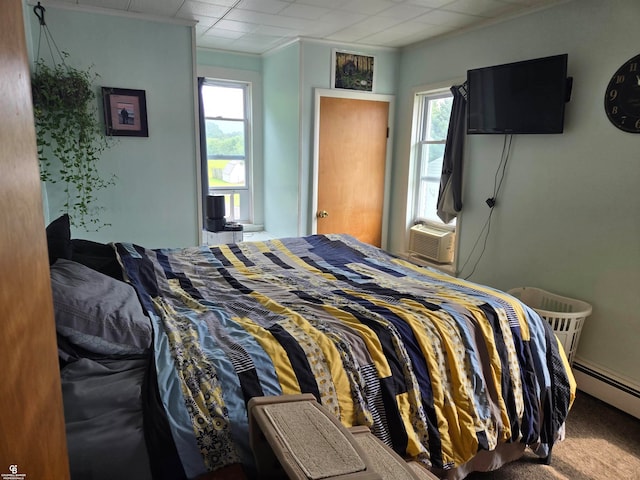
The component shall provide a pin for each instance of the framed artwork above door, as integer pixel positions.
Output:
(353, 71)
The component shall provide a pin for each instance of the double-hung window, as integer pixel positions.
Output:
(431, 116)
(226, 155)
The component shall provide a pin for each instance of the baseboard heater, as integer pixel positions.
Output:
(611, 388)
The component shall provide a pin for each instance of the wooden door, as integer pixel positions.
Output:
(32, 431)
(351, 167)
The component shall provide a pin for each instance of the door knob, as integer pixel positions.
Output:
(322, 214)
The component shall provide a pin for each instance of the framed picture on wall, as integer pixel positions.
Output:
(125, 112)
(352, 71)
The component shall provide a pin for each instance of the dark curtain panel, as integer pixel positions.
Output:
(203, 150)
(450, 194)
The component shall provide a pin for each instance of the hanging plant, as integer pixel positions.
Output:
(70, 138)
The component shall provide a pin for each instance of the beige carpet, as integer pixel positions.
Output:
(601, 443)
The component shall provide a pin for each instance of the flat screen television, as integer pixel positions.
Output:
(522, 97)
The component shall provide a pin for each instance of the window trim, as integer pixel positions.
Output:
(422, 97)
(246, 192)
(412, 174)
(257, 171)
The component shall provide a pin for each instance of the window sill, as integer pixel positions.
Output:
(448, 268)
(252, 227)
(257, 236)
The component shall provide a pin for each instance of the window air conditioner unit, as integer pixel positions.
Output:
(432, 243)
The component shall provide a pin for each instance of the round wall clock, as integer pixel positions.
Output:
(622, 98)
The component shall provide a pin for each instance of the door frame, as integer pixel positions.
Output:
(354, 95)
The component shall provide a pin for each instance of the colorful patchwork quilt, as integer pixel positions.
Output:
(437, 367)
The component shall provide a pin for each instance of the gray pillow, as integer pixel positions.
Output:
(96, 312)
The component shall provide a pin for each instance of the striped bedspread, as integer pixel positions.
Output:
(439, 368)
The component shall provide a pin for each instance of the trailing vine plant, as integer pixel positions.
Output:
(69, 135)
(70, 139)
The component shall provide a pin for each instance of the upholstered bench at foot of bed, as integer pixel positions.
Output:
(294, 436)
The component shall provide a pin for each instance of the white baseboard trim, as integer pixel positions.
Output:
(611, 388)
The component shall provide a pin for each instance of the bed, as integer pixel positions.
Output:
(169, 345)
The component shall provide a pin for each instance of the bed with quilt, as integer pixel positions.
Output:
(161, 349)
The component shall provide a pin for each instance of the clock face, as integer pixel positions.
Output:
(622, 98)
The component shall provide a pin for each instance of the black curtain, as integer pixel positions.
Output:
(450, 194)
(203, 151)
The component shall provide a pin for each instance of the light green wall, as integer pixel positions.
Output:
(238, 61)
(154, 201)
(568, 217)
(281, 80)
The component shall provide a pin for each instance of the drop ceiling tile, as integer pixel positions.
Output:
(192, 9)
(341, 18)
(430, 3)
(321, 30)
(449, 19)
(363, 29)
(220, 3)
(257, 43)
(420, 36)
(266, 19)
(322, 3)
(304, 11)
(234, 26)
(276, 31)
(368, 7)
(395, 33)
(156, 7)
(204, 22)
(211, 41)
(531, 3)
(349, 34)
(202, 28)
(374, 22)
(254, 17)
(483, 8)
(216, 31)
(263, 6)
(388, 37)
(435, 30)
(259, 39)
(117, 4)
(404, 12)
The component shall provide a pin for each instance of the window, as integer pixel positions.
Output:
(225, 142)
(432, 112)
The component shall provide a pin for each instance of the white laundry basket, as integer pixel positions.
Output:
(565, 315)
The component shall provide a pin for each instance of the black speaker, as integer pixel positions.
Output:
(215, 206)
(215, 213)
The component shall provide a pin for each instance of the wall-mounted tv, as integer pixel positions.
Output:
(521, 97)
